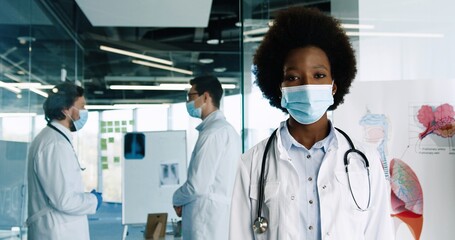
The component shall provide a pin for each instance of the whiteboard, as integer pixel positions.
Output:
(149, 182)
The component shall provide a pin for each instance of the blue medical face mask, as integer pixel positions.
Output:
(193, 111)
(307, 103)
(83, 117)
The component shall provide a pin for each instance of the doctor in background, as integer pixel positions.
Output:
(304, 66)
(57, 203)
(203, 201)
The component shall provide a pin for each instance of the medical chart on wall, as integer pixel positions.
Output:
(412, 126)
(435, 128)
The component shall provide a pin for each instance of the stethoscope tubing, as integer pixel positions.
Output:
(262, 179)
(67, 139)
(259, 227)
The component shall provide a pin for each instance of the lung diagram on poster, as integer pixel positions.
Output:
(432, 128)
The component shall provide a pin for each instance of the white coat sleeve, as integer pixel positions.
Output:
(61, 182)
(201, 172)
(240, 226)
(380, 225)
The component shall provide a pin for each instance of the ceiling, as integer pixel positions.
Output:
(49, 40)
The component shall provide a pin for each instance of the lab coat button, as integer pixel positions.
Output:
(311, 201)
(308, 156)
(310, 227)
(292, 197)
(310, 179)
(324, 187)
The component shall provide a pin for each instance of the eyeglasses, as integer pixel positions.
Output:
(191, 94)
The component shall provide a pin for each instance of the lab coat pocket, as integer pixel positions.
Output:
(355, 187)
(270, 191)
(270, 198)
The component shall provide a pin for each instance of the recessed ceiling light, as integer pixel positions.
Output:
(214, 41)
(219, 69)
(25, 39)
(206, 60)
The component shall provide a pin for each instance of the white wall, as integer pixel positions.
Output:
(428, 56)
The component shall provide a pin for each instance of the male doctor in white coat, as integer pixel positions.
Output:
(305, 66)
(203, 201)
(57, 203)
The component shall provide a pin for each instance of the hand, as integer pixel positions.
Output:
(99, 197)
(178, 210)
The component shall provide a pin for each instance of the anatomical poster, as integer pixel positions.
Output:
(412, 126)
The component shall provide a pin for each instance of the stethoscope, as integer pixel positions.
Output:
(261, 223)
(67, 139)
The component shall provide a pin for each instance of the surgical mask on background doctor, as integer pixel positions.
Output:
(192, 110)
(307, 103)
(83, 117)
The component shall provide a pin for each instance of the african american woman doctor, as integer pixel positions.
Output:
(308, 180)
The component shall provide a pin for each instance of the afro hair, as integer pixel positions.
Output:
(300, 27)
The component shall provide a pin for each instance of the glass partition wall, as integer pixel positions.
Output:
(29, 65)
(44, 43)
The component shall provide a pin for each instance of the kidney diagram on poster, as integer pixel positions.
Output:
(412, 125)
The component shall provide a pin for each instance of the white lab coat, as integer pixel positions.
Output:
(340, 218)
(57, 203)
(206, 194)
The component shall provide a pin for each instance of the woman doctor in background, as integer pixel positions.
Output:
(305, 66)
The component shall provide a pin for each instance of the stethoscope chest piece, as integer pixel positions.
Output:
(260, 225)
